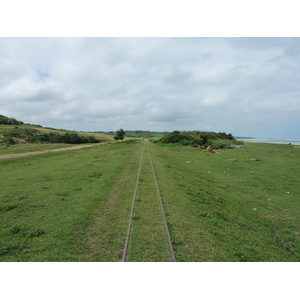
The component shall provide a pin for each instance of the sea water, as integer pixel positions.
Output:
(271, 140)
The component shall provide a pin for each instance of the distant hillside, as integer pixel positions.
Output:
(13, 131)
(139, 133)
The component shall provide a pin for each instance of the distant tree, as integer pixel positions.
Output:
(230, 136)
(120, 134)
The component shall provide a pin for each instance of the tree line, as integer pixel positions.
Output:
(9, 121)
(17, 135)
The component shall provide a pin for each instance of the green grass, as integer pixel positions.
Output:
(224, 211)
(50, 204)
(75, 205)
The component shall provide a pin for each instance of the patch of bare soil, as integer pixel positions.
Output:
(42, 152)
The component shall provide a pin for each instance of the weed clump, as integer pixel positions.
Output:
(8, 207)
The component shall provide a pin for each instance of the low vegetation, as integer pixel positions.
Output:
(200, 138)
(13, 132)
(16, 135)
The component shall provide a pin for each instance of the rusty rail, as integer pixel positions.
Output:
(162, 211)
(289, 249)
(132, 209)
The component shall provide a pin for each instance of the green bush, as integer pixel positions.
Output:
(68, 138)
(9, 121)
(9, 140)
(34, 136)
(198, 138)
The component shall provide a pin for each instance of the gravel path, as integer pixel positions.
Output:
(41, 152)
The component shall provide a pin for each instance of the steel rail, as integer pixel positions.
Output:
(162, 210)
(161, 207)
(132, 209)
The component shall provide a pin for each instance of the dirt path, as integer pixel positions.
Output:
(41, 152)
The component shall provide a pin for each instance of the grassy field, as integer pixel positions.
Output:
(224, 211)
(62, 206)
(75, 205)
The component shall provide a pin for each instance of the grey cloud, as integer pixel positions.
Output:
(256, 42)
(293, 47)
(234, 84)
(176, 77)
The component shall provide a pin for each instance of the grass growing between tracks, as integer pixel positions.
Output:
(148, 237)
(224, 211)
(51, 204)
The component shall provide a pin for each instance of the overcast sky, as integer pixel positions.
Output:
(245, 86)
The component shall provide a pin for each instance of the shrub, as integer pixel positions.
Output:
(120, 134)
(198, 138)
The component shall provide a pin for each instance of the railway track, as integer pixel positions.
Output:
(147, 218)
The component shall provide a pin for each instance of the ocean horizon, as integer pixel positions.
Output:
(291, 141)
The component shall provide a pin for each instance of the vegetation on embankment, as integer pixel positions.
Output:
(200, 138)
(13, 132)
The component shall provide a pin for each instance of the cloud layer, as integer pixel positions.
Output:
(246, 86)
